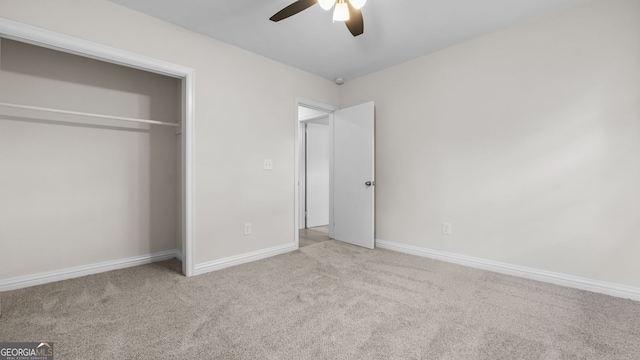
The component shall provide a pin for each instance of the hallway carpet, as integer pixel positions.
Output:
(312, 236)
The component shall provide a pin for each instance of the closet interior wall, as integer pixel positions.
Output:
(81, 191)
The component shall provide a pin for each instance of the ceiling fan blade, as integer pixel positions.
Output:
(355, 24)
(293, 9)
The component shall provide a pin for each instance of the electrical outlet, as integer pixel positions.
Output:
(247, 228)
(446, 228)
(268, 164)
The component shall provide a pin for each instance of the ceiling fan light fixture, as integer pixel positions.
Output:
(326, 4)
(358, 4)
(341, 11)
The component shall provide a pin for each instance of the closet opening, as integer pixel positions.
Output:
(96, 150)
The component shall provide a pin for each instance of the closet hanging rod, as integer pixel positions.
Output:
(28, 107)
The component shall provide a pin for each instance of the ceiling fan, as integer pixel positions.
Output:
(347, 11)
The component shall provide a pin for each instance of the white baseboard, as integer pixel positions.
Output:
(74, 272)
(243, 258)
(617, 290)
(178, 255)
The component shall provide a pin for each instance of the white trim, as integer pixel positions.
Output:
(243, 258)
(302, 173)
(178, 255)
(78, 271)
(49, 39)
(602, 287)
(52, 40)
(188, 171)
(315, 105)
(332, 187)
(314, 117)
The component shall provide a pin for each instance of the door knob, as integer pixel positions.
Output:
(368, 183)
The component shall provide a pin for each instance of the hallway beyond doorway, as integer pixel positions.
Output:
(314, 235)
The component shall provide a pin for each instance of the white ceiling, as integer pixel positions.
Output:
(395, 30)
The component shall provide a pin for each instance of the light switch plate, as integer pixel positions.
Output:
(446, 228)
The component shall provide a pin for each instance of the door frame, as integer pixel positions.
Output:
(298, 150)
(49, 39)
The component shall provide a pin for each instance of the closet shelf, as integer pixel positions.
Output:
(145, 121)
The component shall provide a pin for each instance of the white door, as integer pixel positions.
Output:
(353, 175)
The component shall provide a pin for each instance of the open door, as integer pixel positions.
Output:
(353, 175)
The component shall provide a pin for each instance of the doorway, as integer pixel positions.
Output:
(351, 147)
(315, 155)
(315, 117)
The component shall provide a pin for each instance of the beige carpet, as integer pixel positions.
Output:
(326, 301)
